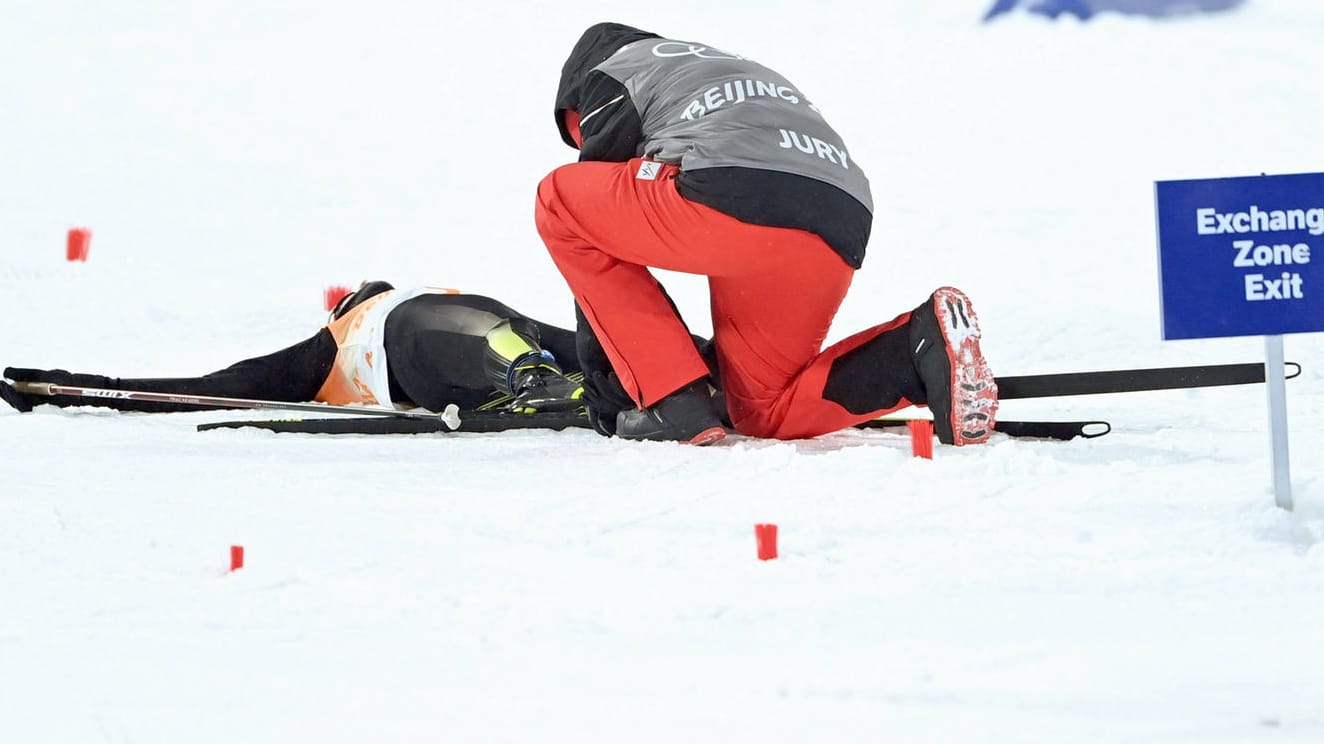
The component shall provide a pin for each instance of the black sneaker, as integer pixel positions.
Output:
(686, 415)
(961, 391)
(541, 387)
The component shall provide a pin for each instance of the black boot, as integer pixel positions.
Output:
(958, 385)
(539, 386)
(686, 415)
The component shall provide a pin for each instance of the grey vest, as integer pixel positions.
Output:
(704, 108)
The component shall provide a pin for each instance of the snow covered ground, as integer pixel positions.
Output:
(235, 159)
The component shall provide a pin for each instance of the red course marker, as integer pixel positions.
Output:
(766, 535)
(236, 557)
(76, 247)
(921, 438)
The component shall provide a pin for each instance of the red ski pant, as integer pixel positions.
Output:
(773, 293)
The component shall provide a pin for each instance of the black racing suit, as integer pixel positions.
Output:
(435, 347)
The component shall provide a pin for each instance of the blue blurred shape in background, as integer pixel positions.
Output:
(1086, 9)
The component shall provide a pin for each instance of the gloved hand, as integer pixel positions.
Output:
(23, 374)
(604, 397)
(20, 401)
(56, 377)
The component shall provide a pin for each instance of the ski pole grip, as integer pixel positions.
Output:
(35, 388)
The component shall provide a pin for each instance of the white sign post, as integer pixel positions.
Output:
(1276, 380)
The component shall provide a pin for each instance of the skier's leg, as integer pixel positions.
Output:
(603, 227)
(458, 348)
(929, 356)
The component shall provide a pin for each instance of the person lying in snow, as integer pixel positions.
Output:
(440, 347)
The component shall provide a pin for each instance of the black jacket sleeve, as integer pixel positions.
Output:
(608, 122)
(292, 374)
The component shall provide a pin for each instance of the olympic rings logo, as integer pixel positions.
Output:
(668, 49)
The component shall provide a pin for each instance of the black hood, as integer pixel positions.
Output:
(599, 42)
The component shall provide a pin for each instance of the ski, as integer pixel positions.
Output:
(1009, 388)
(1061, 430)
(1133, 380)
(467, 422)
(496, 421)
(369, 420)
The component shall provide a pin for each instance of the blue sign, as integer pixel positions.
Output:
(1241, 256)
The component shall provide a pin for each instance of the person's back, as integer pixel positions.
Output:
(746, 141)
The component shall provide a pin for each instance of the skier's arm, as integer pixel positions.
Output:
(293, 374)
(609, 124)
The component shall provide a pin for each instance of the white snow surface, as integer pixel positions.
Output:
(234, 159)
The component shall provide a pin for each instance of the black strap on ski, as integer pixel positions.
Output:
(1063, 430)
(1133, 380)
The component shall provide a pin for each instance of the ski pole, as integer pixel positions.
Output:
(450, 416)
